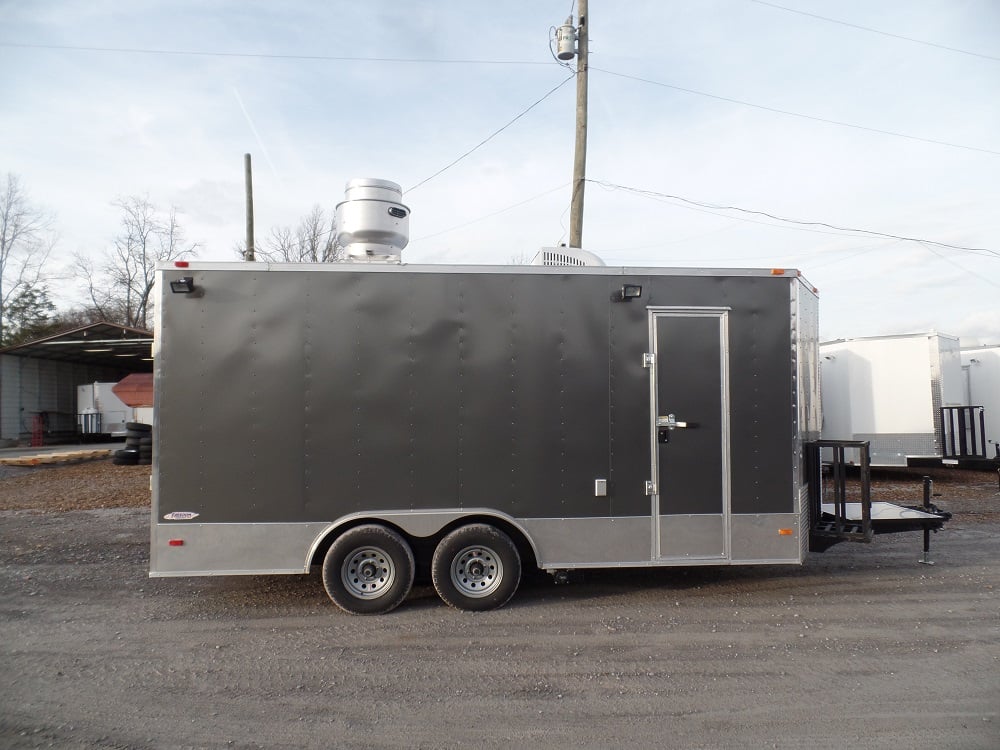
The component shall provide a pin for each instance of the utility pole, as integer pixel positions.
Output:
(249, 188)
(580, 157)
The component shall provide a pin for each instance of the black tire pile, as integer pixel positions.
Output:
(138, 448)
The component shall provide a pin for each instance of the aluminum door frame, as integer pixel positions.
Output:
(655, 313)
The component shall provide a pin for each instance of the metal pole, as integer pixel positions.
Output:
(249, 188)
(926, 557)
(580, 157)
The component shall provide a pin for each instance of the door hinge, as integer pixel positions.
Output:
(648, 359)
(650, 487)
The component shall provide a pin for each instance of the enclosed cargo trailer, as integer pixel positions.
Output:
(373, 418)
(904, 395)
(981, 367)
(100, 411)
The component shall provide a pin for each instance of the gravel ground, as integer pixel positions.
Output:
(860, 647)
(81, 486)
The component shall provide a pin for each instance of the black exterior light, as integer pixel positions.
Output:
(629, 292)
(183, 285)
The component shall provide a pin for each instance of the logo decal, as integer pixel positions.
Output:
(180, 515)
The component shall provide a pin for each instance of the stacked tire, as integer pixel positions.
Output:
(138, 448)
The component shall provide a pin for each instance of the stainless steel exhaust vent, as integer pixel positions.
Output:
(372, 224)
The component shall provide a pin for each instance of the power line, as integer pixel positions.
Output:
(652, 193)
(876, 31)
(796, 114)
(490, 137)
(491, 215)
(667, 199)
(267, 56)
(688, 206)
(959, 266)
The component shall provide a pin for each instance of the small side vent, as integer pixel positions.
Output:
(565, 256)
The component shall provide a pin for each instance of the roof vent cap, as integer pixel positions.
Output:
(372, 224)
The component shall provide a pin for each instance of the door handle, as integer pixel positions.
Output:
(670, 422)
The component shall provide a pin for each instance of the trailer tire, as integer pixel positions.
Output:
(138, 427)
(368, 570)
(476, 567)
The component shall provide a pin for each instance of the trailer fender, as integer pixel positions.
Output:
(416, 524)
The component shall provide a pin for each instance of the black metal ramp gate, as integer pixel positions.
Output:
(831, 525)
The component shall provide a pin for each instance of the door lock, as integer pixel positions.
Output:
(670, 422)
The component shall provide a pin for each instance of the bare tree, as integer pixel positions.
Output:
(314, 240)
(26, 239)
(121, 284)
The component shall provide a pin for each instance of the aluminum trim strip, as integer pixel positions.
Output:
(722, 314)
(439, 518)
(668, 562)
(353, 267)
(212, 573)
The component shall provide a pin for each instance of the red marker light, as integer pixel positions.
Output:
(181, 264)
(176, 542)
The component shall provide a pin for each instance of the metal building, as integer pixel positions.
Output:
(39, 379)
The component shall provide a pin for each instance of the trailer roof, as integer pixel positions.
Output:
(892, 336)
(354, 266)
(379, 267)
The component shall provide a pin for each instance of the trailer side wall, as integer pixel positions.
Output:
(292, 399)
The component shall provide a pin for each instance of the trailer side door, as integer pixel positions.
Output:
(689, 433)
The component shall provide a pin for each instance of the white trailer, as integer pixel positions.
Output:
(906, 395)
(981, 368)
(100, 412)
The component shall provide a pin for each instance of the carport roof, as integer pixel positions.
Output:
(100, 344)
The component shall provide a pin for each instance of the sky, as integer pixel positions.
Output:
(707, 119)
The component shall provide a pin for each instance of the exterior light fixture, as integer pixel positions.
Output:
(629, 292)
(183, 285)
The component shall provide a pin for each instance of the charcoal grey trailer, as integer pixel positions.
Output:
(369, 418)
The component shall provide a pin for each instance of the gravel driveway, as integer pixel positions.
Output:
(860, 648)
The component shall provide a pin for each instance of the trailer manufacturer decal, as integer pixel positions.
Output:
(180, 515)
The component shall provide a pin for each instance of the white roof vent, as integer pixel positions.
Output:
(565, 256)
(372, 224)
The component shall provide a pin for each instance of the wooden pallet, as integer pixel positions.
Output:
(43, 459)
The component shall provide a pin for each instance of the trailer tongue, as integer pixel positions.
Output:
(837, 518)
(886, 518)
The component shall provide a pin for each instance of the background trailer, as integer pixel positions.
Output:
(981, 367)
(362, 417)
(907, 395)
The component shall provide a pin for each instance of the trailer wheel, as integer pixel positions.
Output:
(368, 570)
(476, 567)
